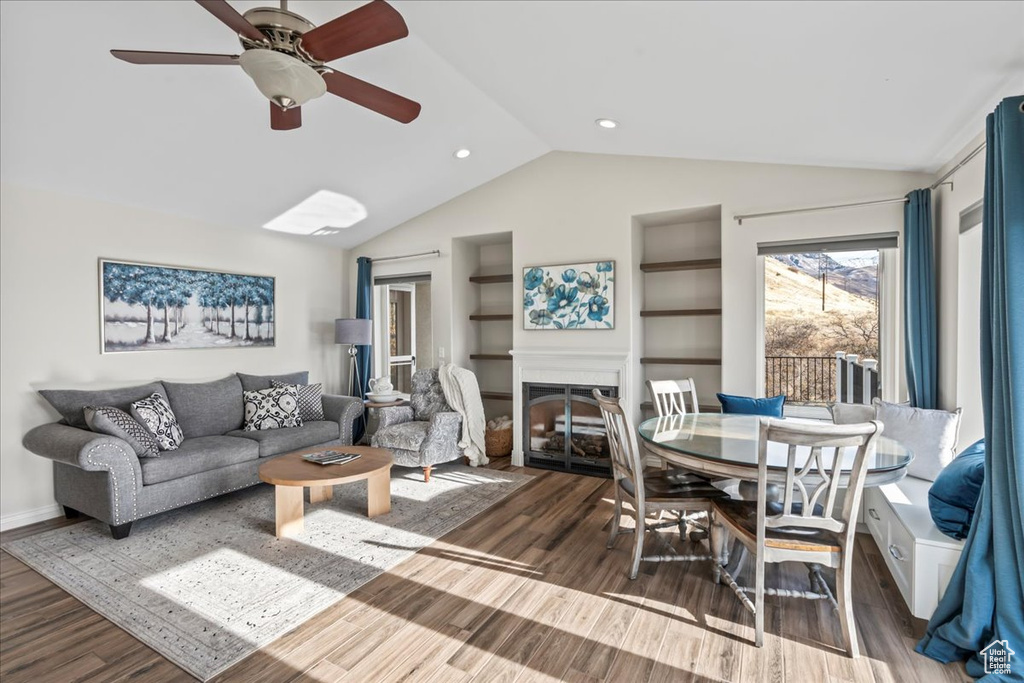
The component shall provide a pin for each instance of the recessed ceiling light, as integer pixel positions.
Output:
(607, 123)
(461, 153)
(319, 213)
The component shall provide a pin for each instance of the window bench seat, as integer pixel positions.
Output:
(920, 558)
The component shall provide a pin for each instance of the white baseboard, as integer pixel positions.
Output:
(30, 517)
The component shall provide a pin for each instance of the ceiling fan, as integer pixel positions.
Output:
(286, 56)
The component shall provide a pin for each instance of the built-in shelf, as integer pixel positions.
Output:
(491, 279)
(709, 408)
(490, 356)
(666, 266)
(680, 361)
(490, 316)
(496, 395)
(680, 312)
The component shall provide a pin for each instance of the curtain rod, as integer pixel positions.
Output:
(741, 217)
(435, 252)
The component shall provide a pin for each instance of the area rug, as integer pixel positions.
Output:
(209, 584)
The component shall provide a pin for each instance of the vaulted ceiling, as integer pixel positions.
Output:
(896, 85)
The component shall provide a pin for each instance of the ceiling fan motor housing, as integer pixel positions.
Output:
(283, 72)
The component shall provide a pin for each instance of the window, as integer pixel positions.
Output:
(824, 320)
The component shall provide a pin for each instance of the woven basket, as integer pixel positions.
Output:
(498, 442)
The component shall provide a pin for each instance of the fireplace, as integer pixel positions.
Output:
(563, 428)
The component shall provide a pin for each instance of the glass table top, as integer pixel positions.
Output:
(734, 439)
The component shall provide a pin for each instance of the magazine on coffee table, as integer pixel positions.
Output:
(330, 457)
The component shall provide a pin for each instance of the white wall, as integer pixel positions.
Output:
(49, 336)
(576, 207)
(968, 187)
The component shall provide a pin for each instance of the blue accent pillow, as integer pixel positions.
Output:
(744, 405)
(952, 497)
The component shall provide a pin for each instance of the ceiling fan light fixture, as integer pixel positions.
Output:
(282, 78)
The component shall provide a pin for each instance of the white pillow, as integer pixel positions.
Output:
(852, 413)
(930, 435)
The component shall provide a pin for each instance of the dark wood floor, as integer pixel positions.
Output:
(523, 592)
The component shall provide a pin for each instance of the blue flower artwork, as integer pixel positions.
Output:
(578, 296)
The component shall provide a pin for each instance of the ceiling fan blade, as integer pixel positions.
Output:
(230, 16)
(370, 96)
(147, 57)
(368, 26)
(285, 119)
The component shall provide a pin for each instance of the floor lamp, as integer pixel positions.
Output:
(354, 332)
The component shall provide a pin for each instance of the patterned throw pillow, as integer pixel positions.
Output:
(115, 422)
(311, 405)
(156, 414)
(271, 408)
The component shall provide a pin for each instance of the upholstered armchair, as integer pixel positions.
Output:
(424, 433)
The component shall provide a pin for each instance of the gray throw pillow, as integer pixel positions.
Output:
(115, 422)
(156, 414)
(311, 405)
(273, 408)
(930, 435)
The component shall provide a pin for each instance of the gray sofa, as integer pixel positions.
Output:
(103, 477)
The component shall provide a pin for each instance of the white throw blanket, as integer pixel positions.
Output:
(463, 394)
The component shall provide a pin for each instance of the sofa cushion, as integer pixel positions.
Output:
(930, 435)
(70, 402)
(207, 408)
(261, 382)
(200, 454)
(274, 408)
(311, 399)
(277, 441)
(158, 417)
(406, 436)
(116, 422)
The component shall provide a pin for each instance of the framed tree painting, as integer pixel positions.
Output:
(575, 296)
(147, 307)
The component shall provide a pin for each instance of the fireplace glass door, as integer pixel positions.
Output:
(565, 430)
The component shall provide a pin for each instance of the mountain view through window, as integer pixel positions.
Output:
(818, 304)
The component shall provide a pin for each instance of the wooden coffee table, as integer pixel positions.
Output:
(290, 474)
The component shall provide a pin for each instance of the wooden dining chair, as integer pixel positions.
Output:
(669, 396)
(647, 493)
(804, 530)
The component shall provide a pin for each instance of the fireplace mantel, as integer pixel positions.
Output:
(561, 366)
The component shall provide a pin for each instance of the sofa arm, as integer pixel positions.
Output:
(93, 452)
(393, 415)
(344, 410)
(442, 441)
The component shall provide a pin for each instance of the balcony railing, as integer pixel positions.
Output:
(841, 378)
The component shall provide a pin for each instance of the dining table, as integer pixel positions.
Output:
(727, 447)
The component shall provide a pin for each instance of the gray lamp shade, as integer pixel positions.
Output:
(356, 331)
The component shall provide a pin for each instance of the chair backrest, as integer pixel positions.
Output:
(626, 460)
(669, 396)
(816, 476)
(427, 397)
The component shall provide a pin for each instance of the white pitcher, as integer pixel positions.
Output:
(381, 385)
